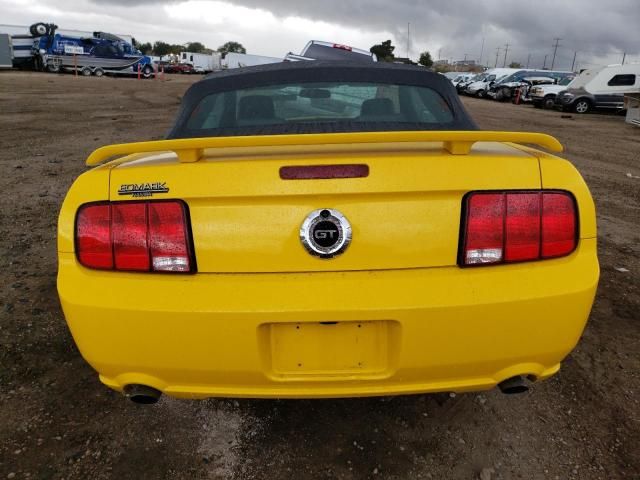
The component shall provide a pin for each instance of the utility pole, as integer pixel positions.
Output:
(555, 50)
(573, 64)
(624, 55)
(528, 59)
(481, 52)
(439, 50)
(544, 65)
(408, 37)
(506, 50)
(497, 54)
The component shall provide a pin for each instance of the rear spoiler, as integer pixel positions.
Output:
(192, 149)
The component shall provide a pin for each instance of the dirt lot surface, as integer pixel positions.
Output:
(58, 421)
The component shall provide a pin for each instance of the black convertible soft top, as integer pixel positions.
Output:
(314, 72)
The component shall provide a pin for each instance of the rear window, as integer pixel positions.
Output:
(321, 106)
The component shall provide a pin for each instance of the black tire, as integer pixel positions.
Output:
(582, 105)
(549, 102)
(98, 72)
(86, 72)
(147, 71)
(38, 29)
(480, 93)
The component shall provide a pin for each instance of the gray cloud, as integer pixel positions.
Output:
(599, 31)
(592, 27)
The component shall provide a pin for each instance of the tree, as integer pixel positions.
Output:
(425, 59)
(384, 51)
(515, 65)
(145, 48)
(161, 48)
(195, 47)
(231, 47)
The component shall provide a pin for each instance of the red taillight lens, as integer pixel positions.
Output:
(135, 236)
(522, 226)
(168, 237)
(558, 225)
(517, 226)
(485, 229)
(129, 233)
(93, 236)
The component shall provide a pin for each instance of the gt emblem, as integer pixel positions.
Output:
(325, 233)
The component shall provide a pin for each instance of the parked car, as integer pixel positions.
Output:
(184, 68)
(544, 96)
(481, 86)
(275, 245)
(599, 88)
(461, 86)
(462, 79)
(451, 75)
(520, 94)
(170, 67)
(504, 90)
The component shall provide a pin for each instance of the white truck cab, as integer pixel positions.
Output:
(544, 96)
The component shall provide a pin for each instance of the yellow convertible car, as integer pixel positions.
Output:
(321, 229)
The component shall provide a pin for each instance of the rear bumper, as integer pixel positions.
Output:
(442, 329)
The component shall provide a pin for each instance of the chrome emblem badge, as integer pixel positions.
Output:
(325, 233)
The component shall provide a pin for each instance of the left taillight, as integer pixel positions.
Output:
(152, 236)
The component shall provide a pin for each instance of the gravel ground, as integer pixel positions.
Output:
(57, 421)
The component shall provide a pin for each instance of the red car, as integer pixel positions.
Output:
(178, 68)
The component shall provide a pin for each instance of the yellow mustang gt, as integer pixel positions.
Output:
(321, 229)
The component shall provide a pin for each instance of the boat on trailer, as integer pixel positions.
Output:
(99, 54)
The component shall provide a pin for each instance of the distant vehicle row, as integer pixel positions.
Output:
(596, 88)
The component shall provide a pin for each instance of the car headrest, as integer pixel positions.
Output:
(256, 107)
(376, 107)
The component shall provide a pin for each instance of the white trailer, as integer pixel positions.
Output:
(237, 60)
(202, 62)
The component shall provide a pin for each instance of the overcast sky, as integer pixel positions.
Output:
(599, 30)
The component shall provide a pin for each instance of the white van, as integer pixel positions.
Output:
(602, 87)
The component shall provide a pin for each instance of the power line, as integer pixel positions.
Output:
(555, 50)
(506, 50)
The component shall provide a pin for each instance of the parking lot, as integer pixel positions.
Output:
(58, 421)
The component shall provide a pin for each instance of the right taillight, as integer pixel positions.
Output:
(517, 226)
(147, 236)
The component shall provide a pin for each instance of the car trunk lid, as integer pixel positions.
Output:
(405, 213)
